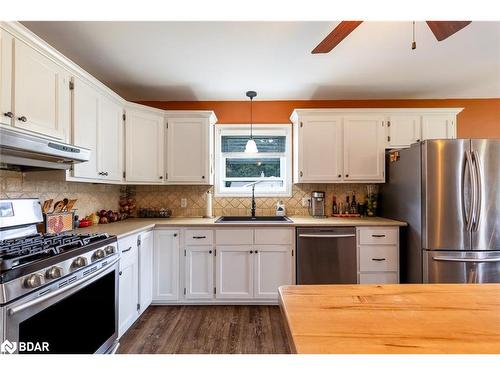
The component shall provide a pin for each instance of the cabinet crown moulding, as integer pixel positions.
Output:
(385, 111)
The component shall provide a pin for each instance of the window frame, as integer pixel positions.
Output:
(259, 129)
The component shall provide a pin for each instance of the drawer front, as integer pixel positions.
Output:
(234, 236)
(378, 258)
(378, 236)
(269, 236)
(198, 237)
(128, 250)
(379, 278)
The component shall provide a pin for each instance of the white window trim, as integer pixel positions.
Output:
(259, 129)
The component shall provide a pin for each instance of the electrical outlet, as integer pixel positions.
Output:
(184, 202)
(306, 202)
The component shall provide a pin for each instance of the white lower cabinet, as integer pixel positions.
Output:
(128, 283)
(234, 272)
(135, 278)
(199, 271)
(273, 268)
(378, 255)
(166, 266)
(145, 270)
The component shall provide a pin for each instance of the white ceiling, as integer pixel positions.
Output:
(222, 60)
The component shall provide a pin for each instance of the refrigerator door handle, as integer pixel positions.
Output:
(469, 211)
(479, 188)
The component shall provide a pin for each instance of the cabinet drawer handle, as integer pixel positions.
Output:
(8, 114)
(378, 259)
(22, 119)
(126, 250)
(378, 235)
(199, 237)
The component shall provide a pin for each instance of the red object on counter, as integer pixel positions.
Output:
(85, 223)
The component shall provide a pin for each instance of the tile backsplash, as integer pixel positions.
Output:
(91, 197)
(170, 197)
(94, 197)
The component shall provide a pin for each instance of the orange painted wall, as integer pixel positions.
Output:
(479, 119)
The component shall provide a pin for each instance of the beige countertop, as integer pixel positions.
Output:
(131, 226)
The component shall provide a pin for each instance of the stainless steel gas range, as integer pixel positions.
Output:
(59, 292)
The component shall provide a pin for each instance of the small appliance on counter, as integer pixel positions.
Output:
(317, 204)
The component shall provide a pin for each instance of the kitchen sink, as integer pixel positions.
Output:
(256, 219)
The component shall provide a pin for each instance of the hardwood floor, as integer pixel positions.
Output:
(207, 330)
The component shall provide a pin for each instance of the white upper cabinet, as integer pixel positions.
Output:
(364, 148)
(318, 149)
(6, 42)
(110, 140)
(41, 100)
(404, 130)
(85, 122)
(98, 126)
(438, 126)
(144, 145)
(189, 151)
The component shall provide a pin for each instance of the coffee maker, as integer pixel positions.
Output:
(317, 204)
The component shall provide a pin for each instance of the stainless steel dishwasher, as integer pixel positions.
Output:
(326, 255)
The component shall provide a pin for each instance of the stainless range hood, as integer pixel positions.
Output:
(31, 152)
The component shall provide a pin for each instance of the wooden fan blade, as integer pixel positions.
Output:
(336, 36)
(444, 29)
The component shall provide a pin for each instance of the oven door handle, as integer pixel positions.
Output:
(469, 260)
(45, 297)
(326, 235)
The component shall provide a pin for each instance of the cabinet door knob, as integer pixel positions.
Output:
(105, 173)
(210, 251)
(22, 119)
(161, 177)
(301, 174)
(256, 251)
(8, 114)
(251, 252)
(203, 177)
(347, 175)
(339, 175)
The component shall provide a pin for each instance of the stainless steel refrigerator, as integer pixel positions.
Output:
(448, 191)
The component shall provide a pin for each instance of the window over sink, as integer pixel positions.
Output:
(270, 167)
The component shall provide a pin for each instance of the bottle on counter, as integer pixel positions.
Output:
(347, 206)
(335, 209)
(354, 205)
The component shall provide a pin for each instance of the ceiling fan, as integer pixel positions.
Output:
(440, 29)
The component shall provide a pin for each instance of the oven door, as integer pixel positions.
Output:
(461, 266)
(78, 318)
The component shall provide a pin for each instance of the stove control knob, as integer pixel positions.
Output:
(33, 281)
(79, 262)
(110, 250)
(53, 273)
(99, 254)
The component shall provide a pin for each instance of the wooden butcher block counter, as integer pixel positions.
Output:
(389, 319)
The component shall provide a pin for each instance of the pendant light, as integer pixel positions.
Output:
(251, 146)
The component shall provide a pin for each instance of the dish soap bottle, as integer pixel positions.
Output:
(280, 209)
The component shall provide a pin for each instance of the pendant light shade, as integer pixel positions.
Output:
(251, 146)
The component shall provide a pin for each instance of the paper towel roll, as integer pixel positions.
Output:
(208, 212)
